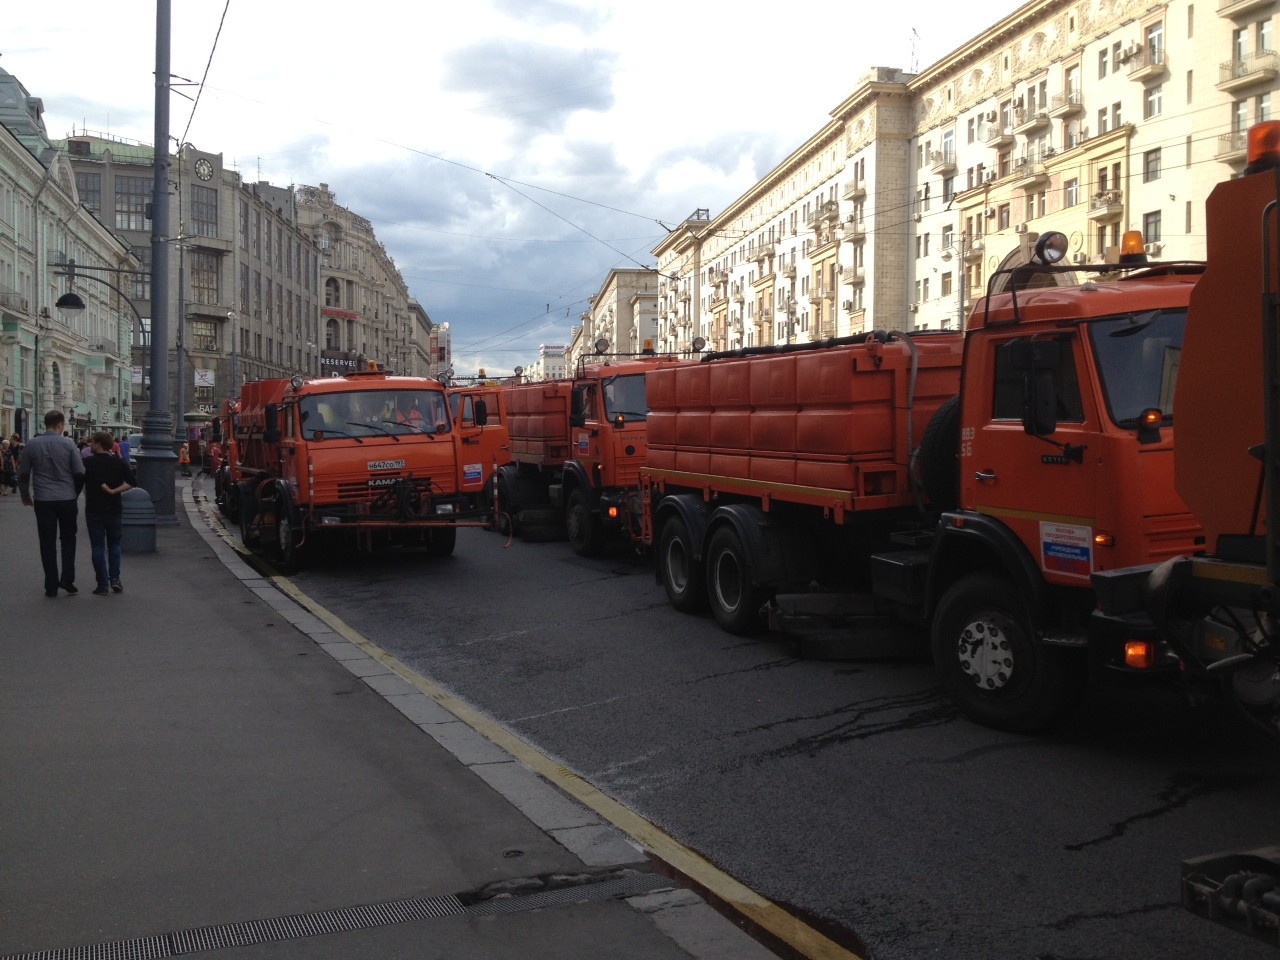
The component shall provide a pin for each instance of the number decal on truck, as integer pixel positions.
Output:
(386, 464)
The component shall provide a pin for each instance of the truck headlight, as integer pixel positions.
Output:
(444, 508)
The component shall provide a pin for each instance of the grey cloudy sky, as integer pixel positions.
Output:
(508, 152)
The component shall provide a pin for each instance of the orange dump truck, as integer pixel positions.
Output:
(369, 457)
(968, 484)
(576, 449)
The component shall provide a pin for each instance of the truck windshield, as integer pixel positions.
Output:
(624, 397)
(370, 413)
(1137, 356)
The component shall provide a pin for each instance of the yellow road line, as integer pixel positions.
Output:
(760, 911)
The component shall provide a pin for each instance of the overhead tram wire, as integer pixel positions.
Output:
(205, 76)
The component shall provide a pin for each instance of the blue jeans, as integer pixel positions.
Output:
(104, 544)
(56, 520)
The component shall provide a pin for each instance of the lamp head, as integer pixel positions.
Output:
(70, 301)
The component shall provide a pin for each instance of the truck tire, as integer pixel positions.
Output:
(993, 666)
(734, 601)
(586, 533)
(939, 457)
(233, 502)
(248, 514)
(682, 575)
(286, 545)
(442, 542)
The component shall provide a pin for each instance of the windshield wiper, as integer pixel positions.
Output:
(337, 433)
(357, 423)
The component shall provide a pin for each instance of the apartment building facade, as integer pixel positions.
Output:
(73, 361)
(1089, 118)
(623, 313)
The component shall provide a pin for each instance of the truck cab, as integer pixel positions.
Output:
(480, 428)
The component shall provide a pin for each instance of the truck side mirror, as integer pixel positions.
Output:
(480, 413)
(1037, 360)
(271, 429)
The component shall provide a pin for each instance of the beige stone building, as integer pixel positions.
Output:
(1089, 118)
(623, 312)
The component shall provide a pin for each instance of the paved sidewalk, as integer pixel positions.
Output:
(198, 766)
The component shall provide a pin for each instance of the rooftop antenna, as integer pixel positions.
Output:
(915, 37)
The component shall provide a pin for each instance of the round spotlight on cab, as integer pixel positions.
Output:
(1052, 247)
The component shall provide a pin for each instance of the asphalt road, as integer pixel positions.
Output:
(852, 791)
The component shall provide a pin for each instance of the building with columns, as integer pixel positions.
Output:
(73, 361)
(1090, 118)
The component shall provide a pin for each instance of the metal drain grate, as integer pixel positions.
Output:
(258, 931)
(338, 921)
(628, 886)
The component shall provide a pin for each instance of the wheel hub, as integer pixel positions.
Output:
(985, 655)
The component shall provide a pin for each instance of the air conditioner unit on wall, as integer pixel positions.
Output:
(848, 306)
(990, 116)
(1020, 228)
(1079, 258)
(1153, 248)
(914, 308)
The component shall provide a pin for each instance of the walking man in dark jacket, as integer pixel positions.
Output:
(49, 478)
(106, 477)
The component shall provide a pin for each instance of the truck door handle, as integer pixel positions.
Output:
(985, 476)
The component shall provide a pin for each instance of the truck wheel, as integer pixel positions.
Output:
(248, 513)
(991, 664)
(232, 509)
(682, 576)
(586, 533)
(939, 457)
(443, 540)
(286, 535)
(734, 602)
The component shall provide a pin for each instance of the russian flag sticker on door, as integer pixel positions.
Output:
(1066, 549)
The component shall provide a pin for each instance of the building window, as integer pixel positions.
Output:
(1002, 217)
(1151, 165)
(203, 335)
(132, 196)
(141, 282)
(244, 225)
(89, 187)
(1102, 120)
(332, 335)
(1151, 226)
(332, 293)
(1151, 104)
(1071, 193)
(204, 277)
(204, 211)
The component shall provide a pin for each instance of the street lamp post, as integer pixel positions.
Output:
(233, 322)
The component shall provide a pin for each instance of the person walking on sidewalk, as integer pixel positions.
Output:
(184, 459)
(106, 477)
(50, 477)
(8, 468)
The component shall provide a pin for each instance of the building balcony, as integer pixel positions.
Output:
(999, 136)
(854, 276)
(854, 190)
(1148, 63)
(942, 162)
(1232, 147)
(825, 213)
(1028, 172)
(1106, 206)
(1026, 122)
(855, 230)
(1257, 68)
(1238, 8)
(1065, 105)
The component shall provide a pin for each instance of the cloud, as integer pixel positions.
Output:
(535, 87)
(553, 12)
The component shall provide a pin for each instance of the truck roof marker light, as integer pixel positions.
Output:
(1104, 540)
(1140, 654)
(1263, 146)
(1132, 248)
(647, 349)
(1149, 422)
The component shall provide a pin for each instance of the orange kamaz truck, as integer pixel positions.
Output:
(968, 484)
(370, 458)
(576, 449)
(1219, 607)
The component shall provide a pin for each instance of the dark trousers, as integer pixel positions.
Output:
(56, 520)
(104, 545)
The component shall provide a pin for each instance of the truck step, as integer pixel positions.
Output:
(1239, 890)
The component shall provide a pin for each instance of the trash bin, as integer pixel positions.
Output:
(137, 522)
